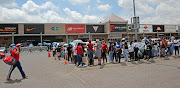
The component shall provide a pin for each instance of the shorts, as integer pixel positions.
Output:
(90, 54)
(103, 54)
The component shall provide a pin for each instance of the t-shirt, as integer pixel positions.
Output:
(69, 49)
(104, 46)
(74, 53)
(156, 47)
(90, 46)
(176, 43)
(135, 45)
(118, 45)
(16, 56)
(131, 48)
(79, 50)
(58, 49)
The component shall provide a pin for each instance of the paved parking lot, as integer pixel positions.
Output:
(44, 72)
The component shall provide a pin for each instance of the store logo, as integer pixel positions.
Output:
(158, 29)
(30, 29)
(55, 28)
(112, 27)
(70, 29)
(145, 27)
(95, 28)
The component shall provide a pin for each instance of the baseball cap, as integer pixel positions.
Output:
(89, 40)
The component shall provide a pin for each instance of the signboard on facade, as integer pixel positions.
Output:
(75, 28)
(8, 28)
(33, 28)
(170, 28)
(145, 28)
(95, 28)
(158, 28)
(54, 28)
(118, 27)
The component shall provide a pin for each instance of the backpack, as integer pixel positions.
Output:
(10, 60)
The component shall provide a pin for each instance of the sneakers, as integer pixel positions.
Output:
(8, 79)
(25, 77)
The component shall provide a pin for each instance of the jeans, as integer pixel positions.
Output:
(90, 54)
(155, 53)
(18, 64)
(79, 56)
(131, 55)
(110, 56)
(126, 54)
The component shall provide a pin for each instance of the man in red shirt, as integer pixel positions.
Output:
(90, 52)
(15, 54)
(104, 50)
(79, 54)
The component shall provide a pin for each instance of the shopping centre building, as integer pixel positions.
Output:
(113, 27)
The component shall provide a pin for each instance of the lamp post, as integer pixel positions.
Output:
(41, 37)
(13, 38)
(135, 22)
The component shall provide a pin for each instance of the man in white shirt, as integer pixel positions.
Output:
(176, 44)
(74, 51)
(131, 50)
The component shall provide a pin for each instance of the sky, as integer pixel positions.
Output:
(88, 11)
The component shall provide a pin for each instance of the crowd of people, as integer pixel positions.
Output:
(116, 50)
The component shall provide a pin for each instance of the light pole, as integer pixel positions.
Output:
(13, 38)
(135, 22)
(41, 37)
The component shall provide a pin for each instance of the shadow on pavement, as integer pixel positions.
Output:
(14, 81)
(123, 64)
(102, 66)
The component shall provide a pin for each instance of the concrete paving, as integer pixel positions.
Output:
(44, 72)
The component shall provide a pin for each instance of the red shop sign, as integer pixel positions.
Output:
(75, 28)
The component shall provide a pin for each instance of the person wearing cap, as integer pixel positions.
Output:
(98, 50)
(90, 52)
(16, 55)
(104, 50)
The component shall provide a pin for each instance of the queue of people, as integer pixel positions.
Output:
(116, 50)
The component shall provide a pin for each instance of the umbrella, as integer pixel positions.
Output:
(12, 45)
(72, 43)
(31, 45)
(78, 41)
(47, 44)
(39, 43)
(19, 44)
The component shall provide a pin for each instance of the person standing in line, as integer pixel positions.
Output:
(104, 50)
(98, 50)
(131, 51)
(176, 46)
(59, 51)
(69, 52)
(156, 50)
(66, 52)
(79, 54)
(163, 47)
(118, 51)
(136, 49)
(74, 51)
(114, 52)
(110, 52)
(125, 47)
(54, 50)
(16, 55)
(90, 52)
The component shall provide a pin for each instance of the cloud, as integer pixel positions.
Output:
(30, 12)
(75, 2)
(77, 17)
(104, 7)
(152, 11)
(98, 1)
(8, 3)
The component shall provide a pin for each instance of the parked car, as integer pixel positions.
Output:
(141, 47)
(3, 49)
(2, 55)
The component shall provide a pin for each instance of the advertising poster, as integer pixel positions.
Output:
(95, 28)
(33, 28)
(118, 27)
(75, 28)
(8, 28)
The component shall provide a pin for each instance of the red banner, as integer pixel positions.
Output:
(75, 28)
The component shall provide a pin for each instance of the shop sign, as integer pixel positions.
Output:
(95, 28)
(118, 27)
(158, 28)
(55, 28)
(33, 28)
(8, 28)
(75, 28)
(145, 29)
(170, 28)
